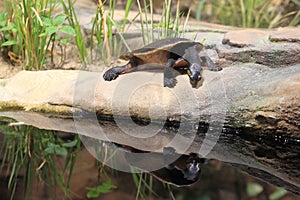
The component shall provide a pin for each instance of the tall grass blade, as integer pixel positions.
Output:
(73, 22)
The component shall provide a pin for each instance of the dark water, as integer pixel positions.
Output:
(55, 164)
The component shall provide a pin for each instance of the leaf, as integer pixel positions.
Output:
(65, 40)
(109, 185)
(9, 27)
(3, 18)
(70, 144)
(105, 187)
(59, 19)
(47, 21)
(51, 29)
(61, 151)
(8, 43)
(93, 193)
(49, 150)
(253, 189)
(68, 30)
(43, 34)
(278, 194)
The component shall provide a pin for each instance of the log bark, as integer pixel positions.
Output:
(247, 96)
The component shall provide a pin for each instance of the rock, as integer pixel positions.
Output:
(247, 37)
(209, 39)
(287, 34)
(273, 55)
(8, 70)
(278, 111)
(266, 117)
(252, 45)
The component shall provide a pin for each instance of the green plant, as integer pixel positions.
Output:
(143, 183)
(106, 187)
(22, 30)
(249, 13)
(111, 44)
(254, 189)
(52, 27)
(277, 194)
(169, 25)
(28, 31)
(73, 22)
(35, 152)
(7, 30)
(102, 31)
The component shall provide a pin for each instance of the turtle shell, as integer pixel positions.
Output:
(161, 50)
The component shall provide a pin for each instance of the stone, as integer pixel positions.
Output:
(286, 34)
(8, 70)
(208, 39)
(272, 55)
(246, 37)
(266, 117)
(258, 46)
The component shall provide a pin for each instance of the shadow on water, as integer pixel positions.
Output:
(270, 161)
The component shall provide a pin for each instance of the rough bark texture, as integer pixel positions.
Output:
(251, 96)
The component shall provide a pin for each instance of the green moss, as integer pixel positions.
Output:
(57, 110)
(11, 106)
(60, 110)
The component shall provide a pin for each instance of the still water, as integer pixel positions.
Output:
(59, 163)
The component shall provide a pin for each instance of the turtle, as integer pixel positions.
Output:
(171, 53)
(178, 170)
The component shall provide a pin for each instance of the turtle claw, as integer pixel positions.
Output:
(170, 82)
(110, 75)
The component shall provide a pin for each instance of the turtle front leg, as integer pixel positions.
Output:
(169, 75)
(114, 72)
(210, 64)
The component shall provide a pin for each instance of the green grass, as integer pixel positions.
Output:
(29, 32)
(34, 152)
(22, 29)
(249, 13)
(144, 184)
(103, 36)
(170, 25)
(73, 22)
(29, 29)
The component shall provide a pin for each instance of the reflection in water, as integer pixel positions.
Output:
(184, 171)
(218, 179)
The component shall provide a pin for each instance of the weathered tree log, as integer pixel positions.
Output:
(248, 96)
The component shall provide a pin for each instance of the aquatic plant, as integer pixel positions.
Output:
(33, 153)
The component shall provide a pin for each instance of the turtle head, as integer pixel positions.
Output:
(193, 163)
(194, 72)
(193, 167)
(192, 170)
